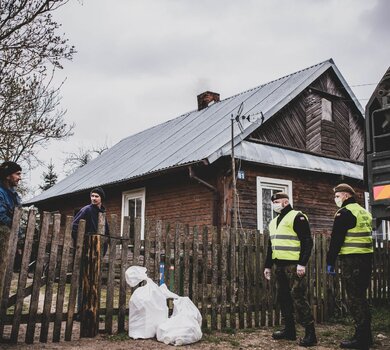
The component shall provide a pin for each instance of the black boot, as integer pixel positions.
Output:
(362, 339)
(288, 332)
(310, 338)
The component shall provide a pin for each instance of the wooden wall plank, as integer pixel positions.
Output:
(122, 282)
(41, 259)
(195, 263)
(187, 255)
(214, 278)
(205, 265)
(62, 279)
(224, 274)
(50, 278)
(114, 232)
(75, 280)
(10, 254)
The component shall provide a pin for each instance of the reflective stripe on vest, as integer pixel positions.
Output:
(284, 240)
(358, 240)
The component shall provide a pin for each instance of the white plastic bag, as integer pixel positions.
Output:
(168, 294)
(135, 274)
(184, 325)
(147, 305)
(184, 305)
(179, 330)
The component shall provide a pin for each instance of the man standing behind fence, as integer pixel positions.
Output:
(10, 175)
(352, 241)
(89, 213)
(289, 249)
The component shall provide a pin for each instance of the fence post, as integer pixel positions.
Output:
(89, 323)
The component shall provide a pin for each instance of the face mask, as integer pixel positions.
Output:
(277, 207)
(339, 202)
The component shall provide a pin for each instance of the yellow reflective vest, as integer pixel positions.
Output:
(359, 238)
(284, 240)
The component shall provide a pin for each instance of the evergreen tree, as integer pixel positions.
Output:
(49, 177)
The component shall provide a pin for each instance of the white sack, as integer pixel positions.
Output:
(135, 274)
(147, 310)
(185, 306)
(168, 294)
(179, 330)
(184, 325)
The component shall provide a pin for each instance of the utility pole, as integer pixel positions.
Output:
(234, 177)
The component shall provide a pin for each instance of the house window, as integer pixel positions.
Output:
(133, 205)
(326, 107)
(266, 187)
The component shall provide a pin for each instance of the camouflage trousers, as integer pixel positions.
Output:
(356, 272)
(292, 294)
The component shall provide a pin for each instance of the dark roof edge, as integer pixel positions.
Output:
(119, 182)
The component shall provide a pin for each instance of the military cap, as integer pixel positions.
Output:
(279, 195)
(344, 188)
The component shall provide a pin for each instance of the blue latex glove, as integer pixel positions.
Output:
(330, 270)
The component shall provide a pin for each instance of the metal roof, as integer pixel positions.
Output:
(191, 137)
(279, 157)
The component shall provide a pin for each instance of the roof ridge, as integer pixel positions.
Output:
(330, 60)
(232, 96)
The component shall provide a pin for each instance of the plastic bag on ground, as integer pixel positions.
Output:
(184, 325)
(184, 305)
(147, 305)
(179, 330)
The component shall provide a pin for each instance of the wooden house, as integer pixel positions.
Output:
(302, 133)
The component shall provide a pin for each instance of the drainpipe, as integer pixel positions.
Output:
(211, 188)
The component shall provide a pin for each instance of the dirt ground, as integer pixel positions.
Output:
(329, 337)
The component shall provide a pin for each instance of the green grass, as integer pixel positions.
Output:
(211, 339)
(229, 331)
(381, 319)
(118, 337)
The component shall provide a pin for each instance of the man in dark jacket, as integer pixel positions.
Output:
(10, 175)
(351, 241)
(89, 213)
(289, 248)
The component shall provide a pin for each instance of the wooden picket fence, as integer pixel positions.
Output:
(222, 273)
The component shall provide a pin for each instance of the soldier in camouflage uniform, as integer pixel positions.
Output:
(351, 241)
(289, 249)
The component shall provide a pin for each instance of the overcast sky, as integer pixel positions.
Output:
(140, 63)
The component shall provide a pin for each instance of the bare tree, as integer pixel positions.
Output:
(30, 52)
(75, 160)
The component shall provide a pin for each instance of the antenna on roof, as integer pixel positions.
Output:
(239, 117)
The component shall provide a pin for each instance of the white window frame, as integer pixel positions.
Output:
(133, 194)
(274, 184)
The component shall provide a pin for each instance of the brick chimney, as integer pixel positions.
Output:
(206, 98)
